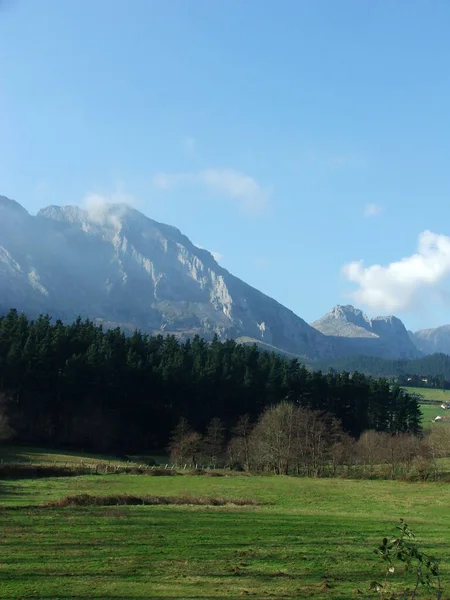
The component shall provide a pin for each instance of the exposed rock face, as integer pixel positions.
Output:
(345, 321)
(430, 341)
(352, 332)
(117, 266)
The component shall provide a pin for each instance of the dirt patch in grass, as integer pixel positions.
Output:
(130, 500)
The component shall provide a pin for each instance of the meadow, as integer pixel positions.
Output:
(313, 539)
(432, 408)
(431, 394)
(430, 411)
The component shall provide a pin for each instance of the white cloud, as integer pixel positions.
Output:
(99, 209)
(225, 182)
(372, 210)
(168, 181)
(398, 285)
(216, 255)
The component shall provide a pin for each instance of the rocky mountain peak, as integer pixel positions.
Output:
(354, 333)
(430, 341)
(350, 314)
(10, 209)
(113, 264)
(387, 324)
(344, 321)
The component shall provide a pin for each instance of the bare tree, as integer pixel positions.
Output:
(239, 446)
(409, 449)
(288, 438)
(213, 442)
(394, 453)
(370, 450)
(6, 431)
(436, 445)
(312, 442)
(342, 452)
(273, 439)
(184, 444)
(439, 440)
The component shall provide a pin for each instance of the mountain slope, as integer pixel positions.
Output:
(115, 265)
(353, 333)
(431, 341)
(345, 321)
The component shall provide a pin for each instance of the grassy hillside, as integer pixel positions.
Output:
(430, 394)
(315, 540)
(436, 397)
(43, 456)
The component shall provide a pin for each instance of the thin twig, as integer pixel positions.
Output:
(419, 573)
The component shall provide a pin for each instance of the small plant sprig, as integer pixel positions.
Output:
(404, 548)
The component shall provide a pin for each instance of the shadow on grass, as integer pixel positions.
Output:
(18, 471)
(34, 471)
(6, 488)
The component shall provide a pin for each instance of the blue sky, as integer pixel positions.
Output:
(293, 138)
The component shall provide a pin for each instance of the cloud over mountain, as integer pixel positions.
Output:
(235, 185)
(398, 285)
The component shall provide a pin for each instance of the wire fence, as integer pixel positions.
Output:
(104, 467)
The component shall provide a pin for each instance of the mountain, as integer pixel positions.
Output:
(431, 341)
(351, 332)
(116, 266)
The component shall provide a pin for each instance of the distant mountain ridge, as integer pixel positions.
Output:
(345, 321)
(353, 333)
(115, 265)
(431, 341)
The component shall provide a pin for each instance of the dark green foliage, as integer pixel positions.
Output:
(435, 368)
(80, 386)
(425, 380)
(404, 549)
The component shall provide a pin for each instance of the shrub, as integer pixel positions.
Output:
(130, 500)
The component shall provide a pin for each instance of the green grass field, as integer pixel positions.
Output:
(42, 456)
(315, 541)
(430, 411)
(430, 394)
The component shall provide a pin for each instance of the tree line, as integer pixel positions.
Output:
(288, 439)
(81, 386)
(426, 381)
(436, 366)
